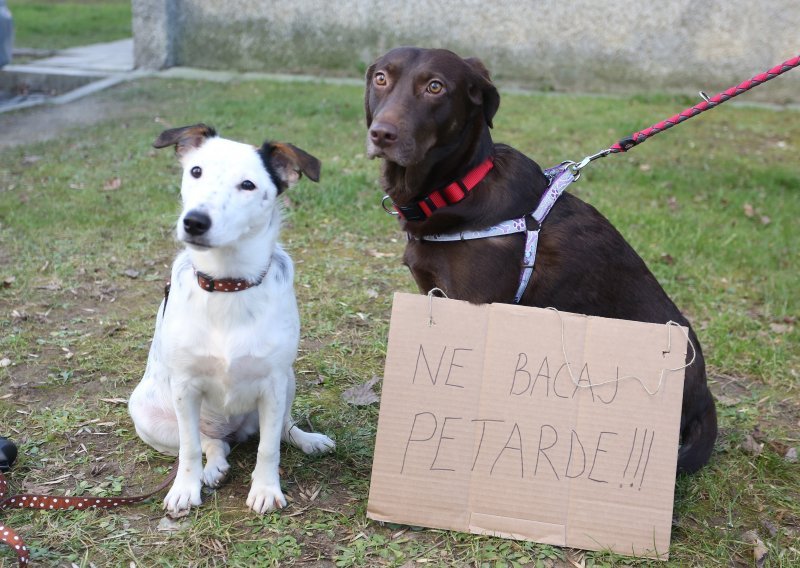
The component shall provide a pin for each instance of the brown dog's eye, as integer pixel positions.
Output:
(247, 185)
(196, 172)
(435, 87)
(380, 79)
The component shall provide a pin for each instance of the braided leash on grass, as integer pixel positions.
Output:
(708, 103)
(47, 502)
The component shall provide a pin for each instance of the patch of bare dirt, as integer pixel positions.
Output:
(48, 122)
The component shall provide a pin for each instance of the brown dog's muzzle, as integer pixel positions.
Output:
(383, 134)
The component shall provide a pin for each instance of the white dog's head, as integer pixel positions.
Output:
(229, 189)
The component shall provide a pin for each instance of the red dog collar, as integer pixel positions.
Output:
(449, 195)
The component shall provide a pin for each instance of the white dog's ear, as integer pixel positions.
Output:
(185, 137)
(286, 163)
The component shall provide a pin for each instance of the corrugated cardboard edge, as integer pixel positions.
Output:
(518, 529)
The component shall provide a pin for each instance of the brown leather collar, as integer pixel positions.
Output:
(225, 284)
(219, 285)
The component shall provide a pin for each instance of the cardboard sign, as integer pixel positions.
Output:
(484, 428)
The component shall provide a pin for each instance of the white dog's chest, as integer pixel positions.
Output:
(228, 351)
(230, 386)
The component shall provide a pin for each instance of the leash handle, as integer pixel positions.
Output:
(708, 103)
(49, 502)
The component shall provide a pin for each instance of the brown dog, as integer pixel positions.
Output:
(429, 113)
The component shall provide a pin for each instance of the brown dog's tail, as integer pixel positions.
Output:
(697, 438)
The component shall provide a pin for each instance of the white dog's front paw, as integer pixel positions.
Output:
(182, 496)
(265, 498)
(215, 473)
(315, 443)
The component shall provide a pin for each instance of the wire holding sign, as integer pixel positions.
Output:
(431, 293)
(670, 324)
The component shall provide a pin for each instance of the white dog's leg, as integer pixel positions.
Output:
(308, 442)
(185, 491)
(217, 466)
(265, 492)
(157, 425)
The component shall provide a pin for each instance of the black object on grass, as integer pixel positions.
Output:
(8, 453)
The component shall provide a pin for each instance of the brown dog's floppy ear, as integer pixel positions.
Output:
(286, 163)
(370, 73)
(482, 91)
(185, 137)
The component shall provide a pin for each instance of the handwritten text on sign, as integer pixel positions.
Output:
(485, 428)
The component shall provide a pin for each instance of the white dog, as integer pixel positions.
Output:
(220, 365)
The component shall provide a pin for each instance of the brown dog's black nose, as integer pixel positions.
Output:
(383, 134)
(196, 223)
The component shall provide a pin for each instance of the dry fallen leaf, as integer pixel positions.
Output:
(115, 400)
(770, 526)
(759, 550)
(169, 524)
(672, 202)
(378, 254)
(750, 446)
(780, 327)
(53, 286)
(362, 395)
(112, 184)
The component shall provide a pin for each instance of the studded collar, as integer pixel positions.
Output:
(210, 284)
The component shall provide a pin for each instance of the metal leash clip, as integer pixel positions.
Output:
(576, 167)
(389, 211)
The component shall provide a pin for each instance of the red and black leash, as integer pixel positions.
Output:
(708, 103)
(49, 503)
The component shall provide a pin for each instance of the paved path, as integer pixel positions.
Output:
(111, 57)
(75, 72)
(102, 65)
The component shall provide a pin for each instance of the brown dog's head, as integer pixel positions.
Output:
(418, 100)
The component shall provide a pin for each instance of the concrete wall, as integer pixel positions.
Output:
(578, 45)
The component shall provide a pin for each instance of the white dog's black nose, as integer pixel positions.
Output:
(196, 223)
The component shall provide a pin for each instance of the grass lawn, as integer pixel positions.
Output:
(57, 24)
(86, 225)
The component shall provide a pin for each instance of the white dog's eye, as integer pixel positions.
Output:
(247, 185)
(196, 172)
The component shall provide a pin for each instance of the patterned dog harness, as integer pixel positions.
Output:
(560, 177)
